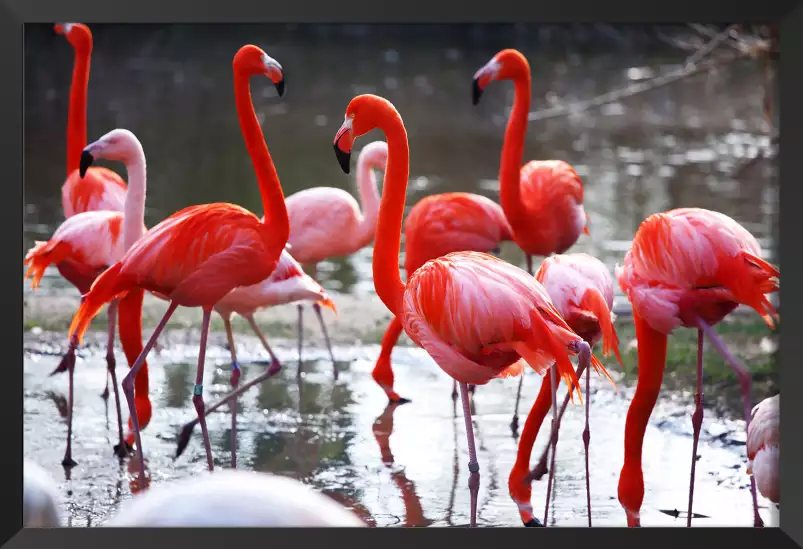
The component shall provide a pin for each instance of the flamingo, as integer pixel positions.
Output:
(543, 200)
(91, 241)
(234, 499)
(477, 316)
(764, 447)
(40, 498)
(687, 267)
(326, 222)
(199, 254)
(288, 283)
(99, 189)
(582, 290)
(437, 225)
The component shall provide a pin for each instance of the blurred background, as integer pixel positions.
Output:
(687, 141)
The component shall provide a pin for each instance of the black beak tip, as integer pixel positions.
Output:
(533, 523)
(476, 92)
(344, 159)
(86, 161)
(280, 87)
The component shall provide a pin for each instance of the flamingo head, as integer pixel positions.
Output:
(506, 65)
(118, 144)
(253, 60)
(78, 35)
(363, 114)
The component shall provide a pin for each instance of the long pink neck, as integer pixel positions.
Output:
(76, 118)
(269, 186)
(134, 209)
(512, 155)
(367, 162)
(387, 279)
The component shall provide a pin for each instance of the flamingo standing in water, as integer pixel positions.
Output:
(326, 222)
(687, 267)
(287, 284)
(478, 317)
(437, 225)
(764, 448)
(582, 290)
(543, 200)
(199, 254)
(92, 241)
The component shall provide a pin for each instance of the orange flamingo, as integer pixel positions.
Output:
(764, 447)
(582, 290)
(201, 253)
(478, 317)
(326, 222)
(287, 284)
(437, 225)
(91, 241)
(687, 267)
(100, 188)
(543, 200)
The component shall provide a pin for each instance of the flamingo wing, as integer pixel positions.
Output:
(99, 189)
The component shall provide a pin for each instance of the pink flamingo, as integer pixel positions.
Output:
(91, 241)
(477, 316)
(326, 222)
(287, 284)
(764, 447)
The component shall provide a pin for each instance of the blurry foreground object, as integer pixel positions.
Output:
(234, 498)
(40, 496)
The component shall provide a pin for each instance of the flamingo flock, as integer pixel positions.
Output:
(478, 317)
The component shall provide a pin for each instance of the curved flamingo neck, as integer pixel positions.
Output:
(513, 153)
(369, 197)
(134, 209)
(651, 363)
(76, 118)
(533, 423)
(387, 279)
(269, 186)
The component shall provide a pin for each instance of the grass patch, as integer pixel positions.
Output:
(747, 338)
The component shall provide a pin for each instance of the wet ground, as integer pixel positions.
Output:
(395, 466)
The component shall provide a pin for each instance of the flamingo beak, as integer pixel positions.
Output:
(274, 71)
(86, 161)
(280, 86)
(481, 80)
(476, 92)
(343, 144)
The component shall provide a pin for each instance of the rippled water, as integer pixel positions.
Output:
(171, 85)
(395, 467)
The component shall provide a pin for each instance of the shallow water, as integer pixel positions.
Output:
(333, 436)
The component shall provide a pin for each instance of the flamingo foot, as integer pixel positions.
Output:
(533, 523)
(123, 450)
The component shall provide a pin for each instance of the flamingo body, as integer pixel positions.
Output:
(40, 498)
(100, 189)
(764, 448)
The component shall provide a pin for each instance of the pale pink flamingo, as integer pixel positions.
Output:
(91, 241)
(326, 222)
(198, 255)
(287, 284)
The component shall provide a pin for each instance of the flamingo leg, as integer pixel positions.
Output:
(186, 430)
(300, 336)
(128, 386)
(553, 439)
(514, 423)
(586, 439)
(198, 390)
(454, 390)
(473, 465)
(68, 363)
(234, 380)
(121, 449)
(317, 309)
(746, 383)
(696, 421)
